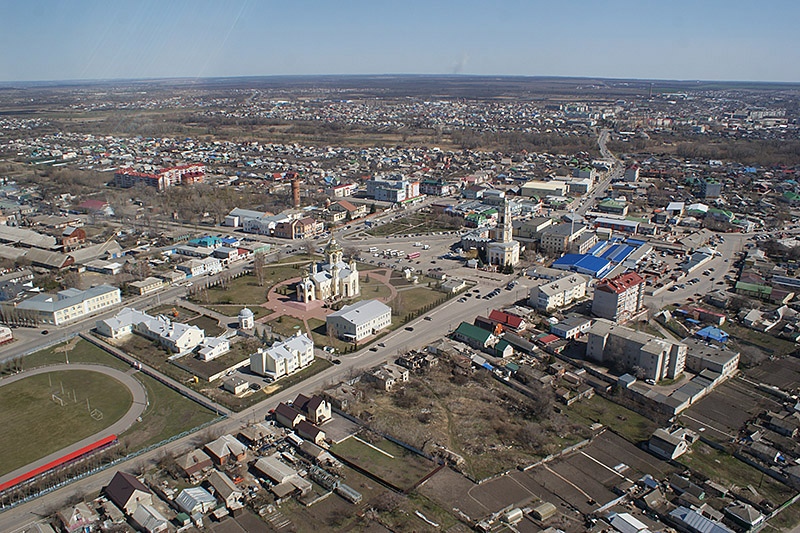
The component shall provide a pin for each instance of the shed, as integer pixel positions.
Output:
(544, 511)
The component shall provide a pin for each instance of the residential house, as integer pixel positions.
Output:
(225, 489)
(316, 409)
(571, 327)
(193, 462)
(194, 500)
(79, 517)
(288, 416)
(670, 444)
(71, 237)
(745, 516)
(147, 285)
(127, 492)
(226, 449)
(474, 336)
(386, 376)
(507, 320)
(694, 522)
(309, 431)
(149, 519)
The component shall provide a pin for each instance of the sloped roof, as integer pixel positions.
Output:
(122, 487)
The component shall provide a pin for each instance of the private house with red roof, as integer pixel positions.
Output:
(507, 320)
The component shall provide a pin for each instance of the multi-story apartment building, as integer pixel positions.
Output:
(161, 179)
(558, 293)
(635, 351)
(619, 298)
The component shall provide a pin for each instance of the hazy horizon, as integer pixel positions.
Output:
(87, 40)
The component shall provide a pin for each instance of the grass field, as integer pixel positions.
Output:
(392, 463)
(81, 352)
(765, 341)
(729, 471)
(243, 290)
(207, 324)
(184, 314)
(414, 299)
(168, 413)
(422, 223)
(29, 414)
(372, 289)
(632, 426)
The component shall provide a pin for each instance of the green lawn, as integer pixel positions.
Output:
(81, 352)
(417, 298)
(35, 425)
(321, 338)
(243, 290)
(632, 426)
(168, 413)
(372, 290)
(727, 470)
(232, 310)
(287, 325)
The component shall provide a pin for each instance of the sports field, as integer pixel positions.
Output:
(44, 413)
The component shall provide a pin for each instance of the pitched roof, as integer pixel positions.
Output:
(468, 330)
(505, 318)
(122, 487)
(621, 283)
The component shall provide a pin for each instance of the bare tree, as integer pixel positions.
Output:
(259, 267)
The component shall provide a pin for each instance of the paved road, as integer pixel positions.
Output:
(138, 392)
(614, 174)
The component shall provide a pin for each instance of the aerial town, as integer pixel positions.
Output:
(400, 305)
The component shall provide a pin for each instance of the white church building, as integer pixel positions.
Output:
(331, 280)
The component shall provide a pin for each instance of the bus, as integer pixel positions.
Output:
(413, 255)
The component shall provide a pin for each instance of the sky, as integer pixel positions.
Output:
(731, 40)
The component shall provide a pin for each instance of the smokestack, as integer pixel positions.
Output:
(296, 192)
